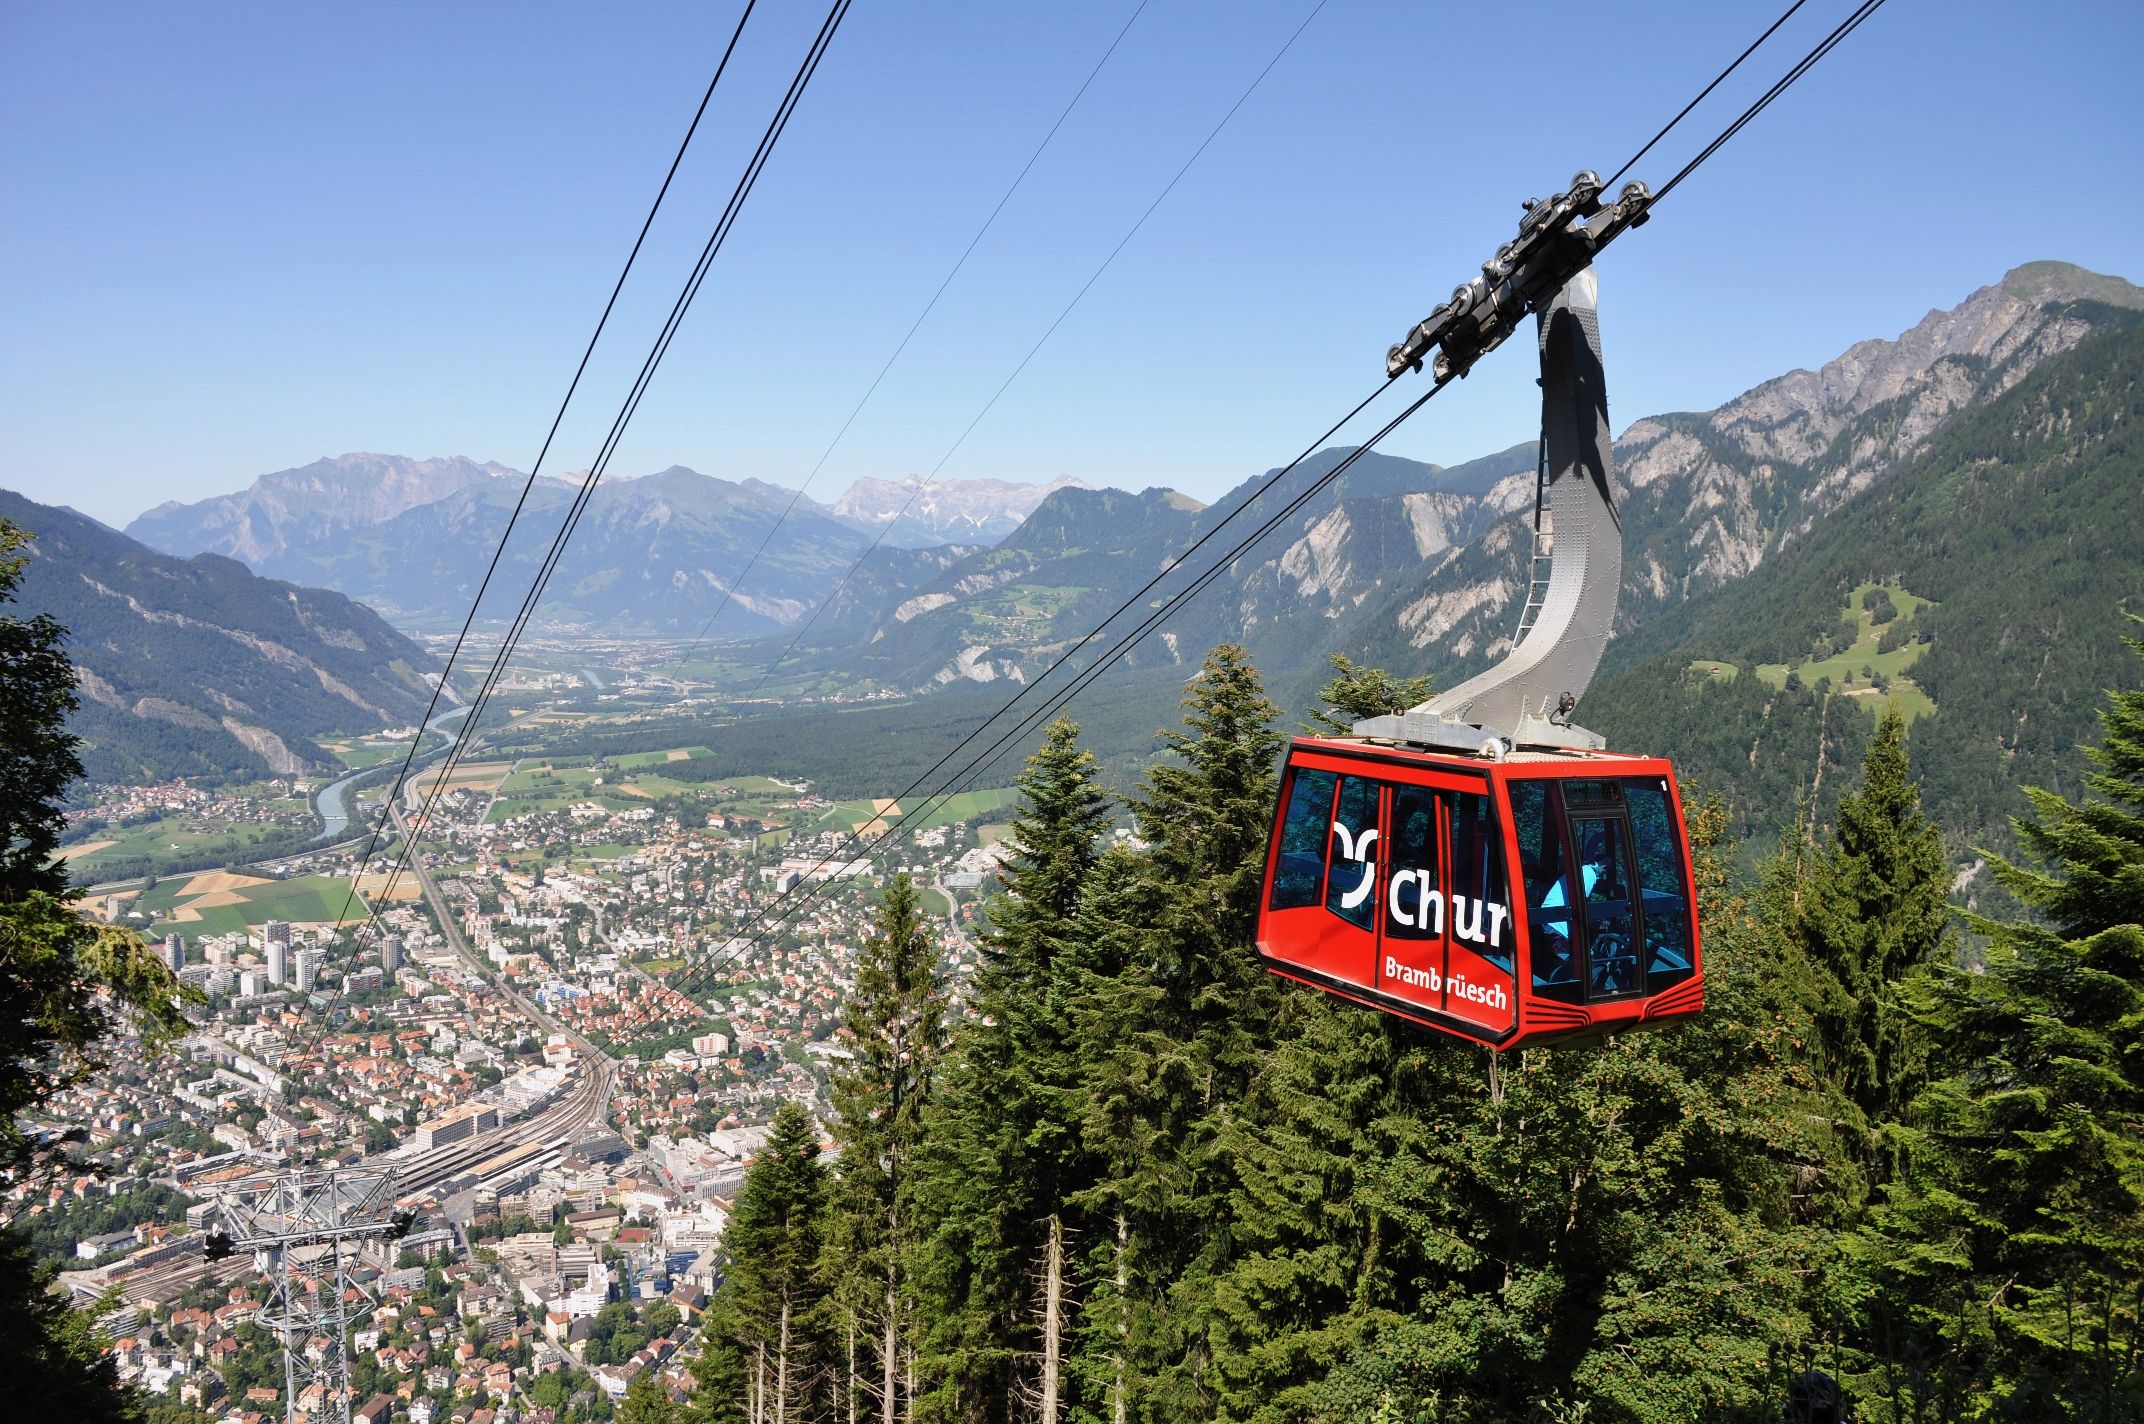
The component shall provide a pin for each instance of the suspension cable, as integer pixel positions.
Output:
(467, 731)
(753, 933)
(736, 583)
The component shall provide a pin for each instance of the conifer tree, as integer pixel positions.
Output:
(1576, 1232)
(1358, 691)
(1105, 986)
(765, 1359)
(1204, 810)
(2013, 1251)
(896, 1019)
(648, 1402)
(67, 988)
(1875, 912)
(1003, 1135)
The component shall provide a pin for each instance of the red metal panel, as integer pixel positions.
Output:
(1443, 981)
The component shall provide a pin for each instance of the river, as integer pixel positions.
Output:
(328, 802)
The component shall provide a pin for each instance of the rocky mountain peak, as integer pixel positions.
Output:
(950, 511)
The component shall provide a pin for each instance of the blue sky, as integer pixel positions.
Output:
(241, 236)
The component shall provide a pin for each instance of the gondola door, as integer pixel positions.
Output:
(1608, 910)
(1448, 942)
(1386, 886)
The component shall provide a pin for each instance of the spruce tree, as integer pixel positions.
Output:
(2014, 1247)
(1003, 1135)
(1133, 1067)
(648, 1402)
(896, 1020)
(1205, 811)
(1875, 912)
(1599, 1232)
(1357, 691)
(766, 1356)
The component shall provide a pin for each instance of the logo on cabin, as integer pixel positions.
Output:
(1414, 901)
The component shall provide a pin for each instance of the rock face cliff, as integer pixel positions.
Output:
(1706, 498)
(1421, 568)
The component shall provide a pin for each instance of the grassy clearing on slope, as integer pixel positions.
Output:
(1855, 671)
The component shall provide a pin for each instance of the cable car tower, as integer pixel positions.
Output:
(1481, 864)
(304, 1228)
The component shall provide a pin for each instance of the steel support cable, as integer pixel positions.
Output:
(755, 932)
(1825, 46)
(1040, 342)
(1703, 94)
(1176, 565)
(529, 484)
(466, 732)
(930, 306)
(583, 496)
(1831, 41)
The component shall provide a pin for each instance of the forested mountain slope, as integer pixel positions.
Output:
(2023, 520)
(193, 667)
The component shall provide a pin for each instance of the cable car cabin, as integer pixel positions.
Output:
(1540, 898)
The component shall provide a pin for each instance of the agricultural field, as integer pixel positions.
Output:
(1860, 670)
(363, 755)
(645, 759)
(218, 902)
(875, 815)
(266, 822)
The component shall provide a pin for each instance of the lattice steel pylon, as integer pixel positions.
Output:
(304, 1228)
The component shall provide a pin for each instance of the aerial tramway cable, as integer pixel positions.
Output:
(466, 732)
(930, 306)
(769, 920)
(1040, 342)
(578, 507)
(755, 933)
(529, 484)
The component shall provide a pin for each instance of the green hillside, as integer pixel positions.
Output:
(2017, 532)
(195, 667)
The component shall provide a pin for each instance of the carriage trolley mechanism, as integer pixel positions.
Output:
(1480, 864)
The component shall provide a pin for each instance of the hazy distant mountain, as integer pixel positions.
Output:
(944, 511)
(259, 525)
(650, 555)
(197, 667)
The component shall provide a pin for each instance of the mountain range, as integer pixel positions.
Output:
(663, 553)
(1745, 527)
(193, 667)
(1419, 566)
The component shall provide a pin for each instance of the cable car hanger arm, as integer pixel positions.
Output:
(1527, 698)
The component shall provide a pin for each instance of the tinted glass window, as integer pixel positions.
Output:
(1662, 886)
(1415, 904)
(1479, 910)
(1605, 871)
(1351, 883)
(1537, 815)
(1299, 860)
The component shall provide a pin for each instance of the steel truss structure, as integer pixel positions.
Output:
(304, 1229)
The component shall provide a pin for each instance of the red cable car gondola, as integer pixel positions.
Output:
(1479, 864)
(1543, 896)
